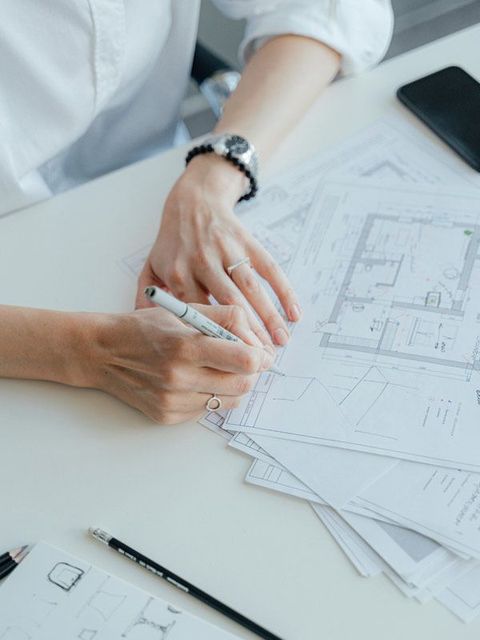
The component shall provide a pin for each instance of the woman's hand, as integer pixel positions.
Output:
(200, 236)
(155, 363)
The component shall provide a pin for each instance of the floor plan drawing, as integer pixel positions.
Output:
(390, 303)
(388, 280)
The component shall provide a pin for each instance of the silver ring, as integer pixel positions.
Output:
(214, 403)
(233, 266)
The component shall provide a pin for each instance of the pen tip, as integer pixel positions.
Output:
(149, 291)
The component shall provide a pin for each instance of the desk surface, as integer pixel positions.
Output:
(73, 458)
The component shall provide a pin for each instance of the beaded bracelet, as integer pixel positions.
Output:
(208, 148)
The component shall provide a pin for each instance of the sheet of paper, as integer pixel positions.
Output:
(444, 579)
(214, 421)
(54, 595)
(390, 337)
(335, 475)
(363, 558)
(462, 597)
(441, 503)
(273, 476)
(391, 153)
(414, 557)
(242, 442)
(270, 474)
(388, 151)
(368, 562)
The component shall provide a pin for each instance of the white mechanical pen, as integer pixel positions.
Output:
(194, 318)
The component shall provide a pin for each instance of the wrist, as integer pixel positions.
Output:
(41, 344)
(82, 365)
(217, 176)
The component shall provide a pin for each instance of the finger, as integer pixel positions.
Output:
(182, 284)
(188, 403)
(234, 319)
(232, 357)
(194, 292)
(260, 332)
(146, 278)
(226, 292)
(246, 280)
(266, 266)
(225, 384)
(227, 402)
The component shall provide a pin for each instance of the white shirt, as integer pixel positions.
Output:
(87, 86)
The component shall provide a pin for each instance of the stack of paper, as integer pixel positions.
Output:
(376, 421)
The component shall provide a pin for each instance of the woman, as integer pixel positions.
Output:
(87, 86)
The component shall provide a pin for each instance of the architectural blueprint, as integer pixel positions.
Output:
(387, 278)
(388, 351)
(441, 503)
(387, 151)
(54, 595)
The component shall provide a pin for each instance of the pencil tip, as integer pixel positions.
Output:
(25, 550)
(16, 552)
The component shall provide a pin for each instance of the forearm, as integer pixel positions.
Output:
(38, 344)
(278, 85)
(199, 235)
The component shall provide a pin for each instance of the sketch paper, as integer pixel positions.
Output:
(271, 475)
(390, 154)
(444, 504)
(54, 595)
(275, 477)
(414, 557)
(363, 558)
(335, 475)
(390, 335)
(368, 562)
(462, 597)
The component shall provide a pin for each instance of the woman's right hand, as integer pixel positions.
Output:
(155, 363)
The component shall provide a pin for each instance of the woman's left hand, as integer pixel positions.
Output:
(200, 236)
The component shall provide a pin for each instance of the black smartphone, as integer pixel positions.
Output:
(448, 101)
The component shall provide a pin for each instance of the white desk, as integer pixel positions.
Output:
(73, 458)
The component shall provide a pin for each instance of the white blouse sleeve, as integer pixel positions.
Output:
(359, 30)
(49, 90)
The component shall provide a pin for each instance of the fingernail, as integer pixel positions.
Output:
(268, 360)
(295, 313)
(280, 336)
